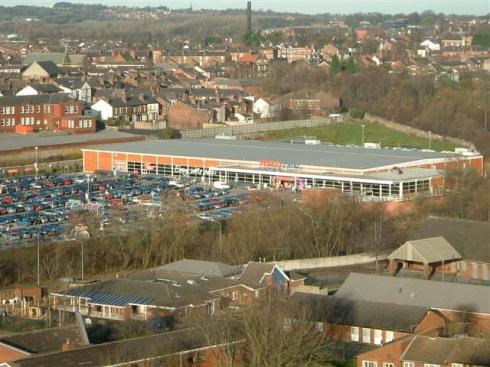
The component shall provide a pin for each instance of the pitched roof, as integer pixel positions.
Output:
(39, 99)
(200, 267)
(471, 247)
(44, 341)
(128, 350)
(467, 351)
(416, 292)
(254, 272)
(427, 250)
(345, 311)
(48, 66)
(56, 57)
(122, 292)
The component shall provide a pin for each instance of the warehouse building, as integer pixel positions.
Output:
(387, 174)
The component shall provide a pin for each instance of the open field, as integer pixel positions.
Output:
(351, 133)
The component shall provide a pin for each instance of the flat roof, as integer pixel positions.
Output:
(332, 156)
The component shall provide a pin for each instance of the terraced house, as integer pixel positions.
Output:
(57, 112)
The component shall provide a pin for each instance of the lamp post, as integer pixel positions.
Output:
(35, 165)
(430, 139)
(79, 234)
(87, 195)
(362, 141)
(38, 259)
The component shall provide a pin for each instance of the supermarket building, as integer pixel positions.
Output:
(385, 174)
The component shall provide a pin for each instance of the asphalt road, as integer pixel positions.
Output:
(15, 141)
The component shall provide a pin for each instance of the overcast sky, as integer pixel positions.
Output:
(477, 7)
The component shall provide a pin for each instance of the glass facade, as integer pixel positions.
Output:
(270, 179)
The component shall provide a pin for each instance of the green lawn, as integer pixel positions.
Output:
(351, 133)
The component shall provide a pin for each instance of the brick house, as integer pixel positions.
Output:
(265, 278)
(184, 348)
(57, 112)
(156, 293)
(424, 351)
(24, 345)
(465, 306)
(357, 321)
(183, 115)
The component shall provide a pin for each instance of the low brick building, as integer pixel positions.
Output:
(357, 321)
(424, 351)
(184, 348)
(57, 112)
(466, 306)
(187, 116)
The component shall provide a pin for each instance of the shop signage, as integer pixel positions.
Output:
(278, 164)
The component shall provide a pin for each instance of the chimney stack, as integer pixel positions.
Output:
(249, 17)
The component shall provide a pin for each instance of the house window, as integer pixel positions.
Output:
(388, 336)
(234, 295)
(366, 335)
(430, 365)
(369, 364)
(408, 364)
(201, 356)
(257, 294)
(354, 333)
(378, 336)
(457, 365)
(388, 365)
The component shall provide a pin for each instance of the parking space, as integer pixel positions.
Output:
(50, 207)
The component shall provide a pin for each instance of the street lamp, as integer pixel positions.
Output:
(35, 165)
(87, 195)
(38, 259)
(79, 234)
(363, 126)
(430, 139)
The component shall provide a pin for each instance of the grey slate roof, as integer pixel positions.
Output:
(345, 311)
(467, 351)
(416, 292)
(200, 267)
(427, 250)
(39, 99)
(252, 150)
(44, 341)
(128, 350)
(56, 57)
(254, 272)
(470, 238)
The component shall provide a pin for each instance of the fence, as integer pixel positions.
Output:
(73, 165)
(328, 262)
(417, 132)
(252, 128)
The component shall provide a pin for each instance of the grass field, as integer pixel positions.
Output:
(351, 133)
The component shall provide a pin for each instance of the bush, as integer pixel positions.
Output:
(169, 133)
(357, 113)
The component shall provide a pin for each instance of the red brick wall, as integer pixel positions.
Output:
(389, 353)
(182, 116)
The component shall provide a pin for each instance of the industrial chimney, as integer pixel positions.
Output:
(249, 17)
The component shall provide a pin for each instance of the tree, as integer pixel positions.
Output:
(336, 65)
(169, 133)
(253, 39)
